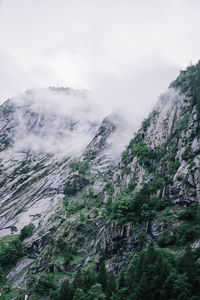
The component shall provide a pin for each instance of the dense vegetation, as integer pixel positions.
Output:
(10, 251)
(188, 82)
(151, 274)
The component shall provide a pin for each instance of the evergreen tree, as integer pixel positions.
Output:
(159, 275)
(181, 287)
(89, 279)
(130, 274)
(187, 264)
(111, 285)
(139, 266)
(121, 280)
(79, 295)
(78, 280)
(66, 291)
(168, 285)
(151, 253)
(143, 291)
(102, 277)
(121, 294)
(96, 293)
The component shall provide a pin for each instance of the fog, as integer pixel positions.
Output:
(63, 122)
(125, 53)
(51, 121)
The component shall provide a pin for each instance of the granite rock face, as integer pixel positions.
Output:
(65, 193)
(173, 123)
(37, 148)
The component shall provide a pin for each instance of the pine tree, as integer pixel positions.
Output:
(181, 287)
(78, 280)
(168, 285)
(121, 294)
(130, 275)
(121, 280)
(102, 277)
(111, 285)
(66, 291)
(187, 264)
(143, 291)
(79, 295)
(89, 279)
(139, 266)
(159, 276)
(151, 253)
(96, 293)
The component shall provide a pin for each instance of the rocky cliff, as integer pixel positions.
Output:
(87, 206)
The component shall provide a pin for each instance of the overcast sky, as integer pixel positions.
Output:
(125, 51)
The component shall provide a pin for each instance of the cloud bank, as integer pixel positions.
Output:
(124, 52)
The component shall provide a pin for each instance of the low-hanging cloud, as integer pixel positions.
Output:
(125, 53)
(61, 122)
(53, 121)
(133, 90)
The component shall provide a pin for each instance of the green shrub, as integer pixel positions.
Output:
(132, 206)
(26, 231)
(167, 240)
(192, 213)
(187, 154)
(45, 285)
(81, 167)
(10, 250)
(163, 203)
(75, 184)
(184, 234)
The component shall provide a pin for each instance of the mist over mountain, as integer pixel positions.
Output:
(89, 207)
(55, 120)
(49, 129)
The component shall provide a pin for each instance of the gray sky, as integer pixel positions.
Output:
(126, 52)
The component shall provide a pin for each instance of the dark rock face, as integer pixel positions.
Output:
(99, 142)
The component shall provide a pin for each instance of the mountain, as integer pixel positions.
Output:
(78, 221)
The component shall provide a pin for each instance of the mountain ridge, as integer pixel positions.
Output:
(104, 214)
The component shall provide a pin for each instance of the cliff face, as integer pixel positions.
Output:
(90, 205)
(167, 145)
(37, 147)
(45, 155)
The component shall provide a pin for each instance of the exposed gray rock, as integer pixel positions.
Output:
(19, 267)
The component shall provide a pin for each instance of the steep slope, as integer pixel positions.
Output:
(111, 213)
(37, 147)
(42, 149)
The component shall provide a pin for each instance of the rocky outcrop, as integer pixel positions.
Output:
(70, 196)
(171, 127)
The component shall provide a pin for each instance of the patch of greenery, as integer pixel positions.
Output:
(191, 213)
(187, 154)
(81, 167)
(135, 207)
(188, 82)
(147, 157)
(66, 249)
(26, 231)
(187, 232)
(151, 274)
(10, 251)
